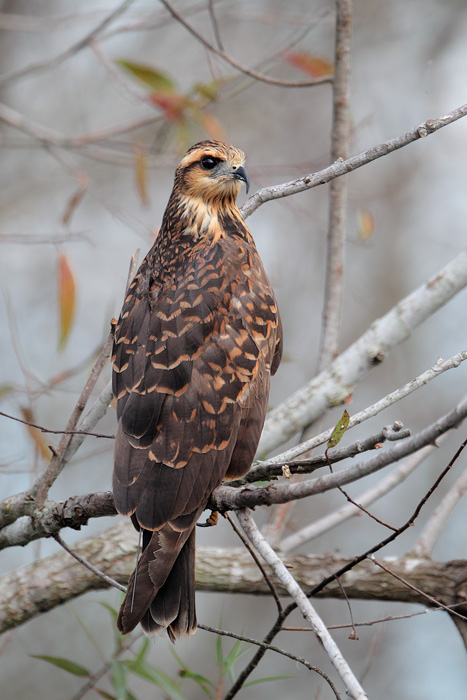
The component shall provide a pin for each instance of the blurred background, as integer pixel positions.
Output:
(80, 194)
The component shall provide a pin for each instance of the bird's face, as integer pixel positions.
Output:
(212, 171)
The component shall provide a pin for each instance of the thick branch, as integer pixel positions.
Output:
(335, 255)
(332, 386)
(227, 497)
(44, 585)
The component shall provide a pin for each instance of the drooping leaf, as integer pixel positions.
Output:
(141, 174)
(203, 682)
(210, 124)
(172, 105)
(66, 298)
(339, 430)
(36, 435)
(311, 65)
(366, 225)
(155, 79)
(5, 389)
(72, 203)
(64, 664)
(118, 679)
(156, 676)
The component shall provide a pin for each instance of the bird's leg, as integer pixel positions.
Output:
(211, 520)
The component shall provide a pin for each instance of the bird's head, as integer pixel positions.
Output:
(211, 171)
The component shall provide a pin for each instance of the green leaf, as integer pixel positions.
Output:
(231, 659)
(219, 653)
(64, 664)
(5, 389)
(155, 79)
(339, 430)
(202, 681)
(155, 676)
(266, 679)
(143, 650)
(118, 679)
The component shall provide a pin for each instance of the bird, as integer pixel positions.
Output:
(198, 339)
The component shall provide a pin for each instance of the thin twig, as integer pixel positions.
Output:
(336, 517)
(68, 53)
(394, 535)
(227, 498)
(55, 432)
(267, 194)
(269, 647)
(243, 69)
(89, 566)
(436, 523)
(262, 471)
(437, 603)
(58, 460)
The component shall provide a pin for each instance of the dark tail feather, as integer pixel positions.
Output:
(164, 594)
(173, 607)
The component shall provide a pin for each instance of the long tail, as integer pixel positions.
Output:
(163, 596)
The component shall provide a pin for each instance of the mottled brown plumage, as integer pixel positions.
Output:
(198, 338)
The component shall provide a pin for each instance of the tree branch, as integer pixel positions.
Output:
(335, 256)
(353, 687)
(331, 387)
(267, 194)
(43, 585)
(227, 497)
(235, 64)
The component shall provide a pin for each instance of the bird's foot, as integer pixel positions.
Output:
(212, 520)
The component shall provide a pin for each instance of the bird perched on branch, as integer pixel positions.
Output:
(198, 339)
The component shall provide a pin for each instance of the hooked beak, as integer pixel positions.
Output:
(241, 174)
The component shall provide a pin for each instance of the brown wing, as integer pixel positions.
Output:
(192, 359)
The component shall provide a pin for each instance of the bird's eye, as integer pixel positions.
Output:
(208, 162)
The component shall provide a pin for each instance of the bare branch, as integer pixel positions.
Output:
(41, 586)
(348, 511)
(267, 194)
(272, 468)
(335, 256)
(62, 455)
(269, 647)
(336, 383)
(225, 497)
(71, 51)
(54, 516)
(233, 62)
(354, 690)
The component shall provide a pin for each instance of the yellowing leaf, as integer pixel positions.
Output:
(339, 430)
(172, 106)
(311, 65)
(66, 298)
(366, 225)
(36, 435)
(210, 124)
(141, 175)
(153, 78)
